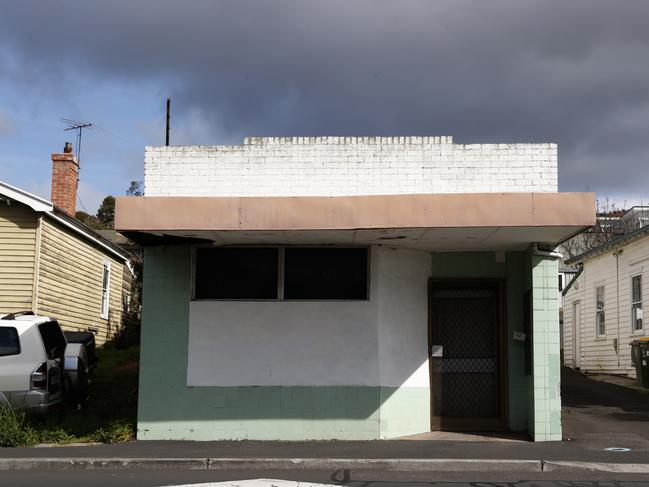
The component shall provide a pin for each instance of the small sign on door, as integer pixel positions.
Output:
(437, 351)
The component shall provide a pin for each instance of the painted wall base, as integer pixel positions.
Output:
(285, 413)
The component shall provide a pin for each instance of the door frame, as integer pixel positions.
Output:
(500, 422)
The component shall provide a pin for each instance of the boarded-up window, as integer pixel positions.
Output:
(236, 273)
(281, 273)
(325, 273)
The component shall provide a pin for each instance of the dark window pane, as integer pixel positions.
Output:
(9, 342)
(637, 288)
(236, 273)
(53, 339)
(323, 273)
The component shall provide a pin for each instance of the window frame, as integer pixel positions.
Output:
(634, 320)
(105, 291)
(15, 330)
(280, 272)
(599, 311)
(126, 302)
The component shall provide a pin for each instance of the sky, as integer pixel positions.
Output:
(574, 73)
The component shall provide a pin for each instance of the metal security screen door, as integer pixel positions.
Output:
(466, 356)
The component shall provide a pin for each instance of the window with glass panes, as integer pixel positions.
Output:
(636, 303)
(600, 322)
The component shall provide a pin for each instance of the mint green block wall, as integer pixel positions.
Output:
(168, 409)
(477, 265)
(404, 411)
(518, 382)
(546, 392)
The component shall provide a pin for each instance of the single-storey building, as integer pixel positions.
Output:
(350, 288)
(54, 265)
(603, 305)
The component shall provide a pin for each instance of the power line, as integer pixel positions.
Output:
(81, 203)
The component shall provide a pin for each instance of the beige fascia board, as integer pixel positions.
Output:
(167, 213)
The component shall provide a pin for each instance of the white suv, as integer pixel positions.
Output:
(37, 364)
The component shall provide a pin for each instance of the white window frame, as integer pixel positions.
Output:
(633, 307)
(105, 291)
(601, 311)
(126, 302)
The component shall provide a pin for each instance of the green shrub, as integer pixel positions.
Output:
(55, 435)
(128, 335)
(14, 430)
(114, 433)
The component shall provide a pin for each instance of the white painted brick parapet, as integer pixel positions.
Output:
(335, 166)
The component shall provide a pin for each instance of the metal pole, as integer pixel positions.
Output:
(79, 148)
(168, 120)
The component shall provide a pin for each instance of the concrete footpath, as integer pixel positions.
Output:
(393, 455)
(606, 429)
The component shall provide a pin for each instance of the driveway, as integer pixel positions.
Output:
(603, 415)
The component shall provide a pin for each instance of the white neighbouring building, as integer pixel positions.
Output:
(604, 305)
(350, 288)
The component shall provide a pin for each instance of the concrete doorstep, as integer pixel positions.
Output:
(412, 465)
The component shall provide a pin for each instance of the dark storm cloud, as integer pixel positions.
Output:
(575, 73)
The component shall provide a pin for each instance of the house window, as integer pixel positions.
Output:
(636, 303)
(126, 305)
(273, 273)
(599, 315)
(105, 290)
(560, 282)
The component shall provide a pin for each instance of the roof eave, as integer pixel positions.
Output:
(36, 203)
(619, 241)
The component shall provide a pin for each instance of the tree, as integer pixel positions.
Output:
(135, 189)
(89, 220)
(609, 225)
(106, 212)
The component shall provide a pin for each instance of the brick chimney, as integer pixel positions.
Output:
(65, 177)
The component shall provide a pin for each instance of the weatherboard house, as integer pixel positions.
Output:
(350, 288)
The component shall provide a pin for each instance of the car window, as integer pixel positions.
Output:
(53, 339)
(9, 342)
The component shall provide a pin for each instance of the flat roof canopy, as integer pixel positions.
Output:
(475, 221)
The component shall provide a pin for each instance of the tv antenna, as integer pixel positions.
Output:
(78, 126)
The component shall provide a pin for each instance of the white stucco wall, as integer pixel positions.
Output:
(403, 317)
(343, 166)
(382, 341)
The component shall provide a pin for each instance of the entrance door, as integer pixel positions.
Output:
(466, 356)
(576, 334)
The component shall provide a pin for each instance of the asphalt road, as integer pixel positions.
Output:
(151, 478)
(592, 408)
